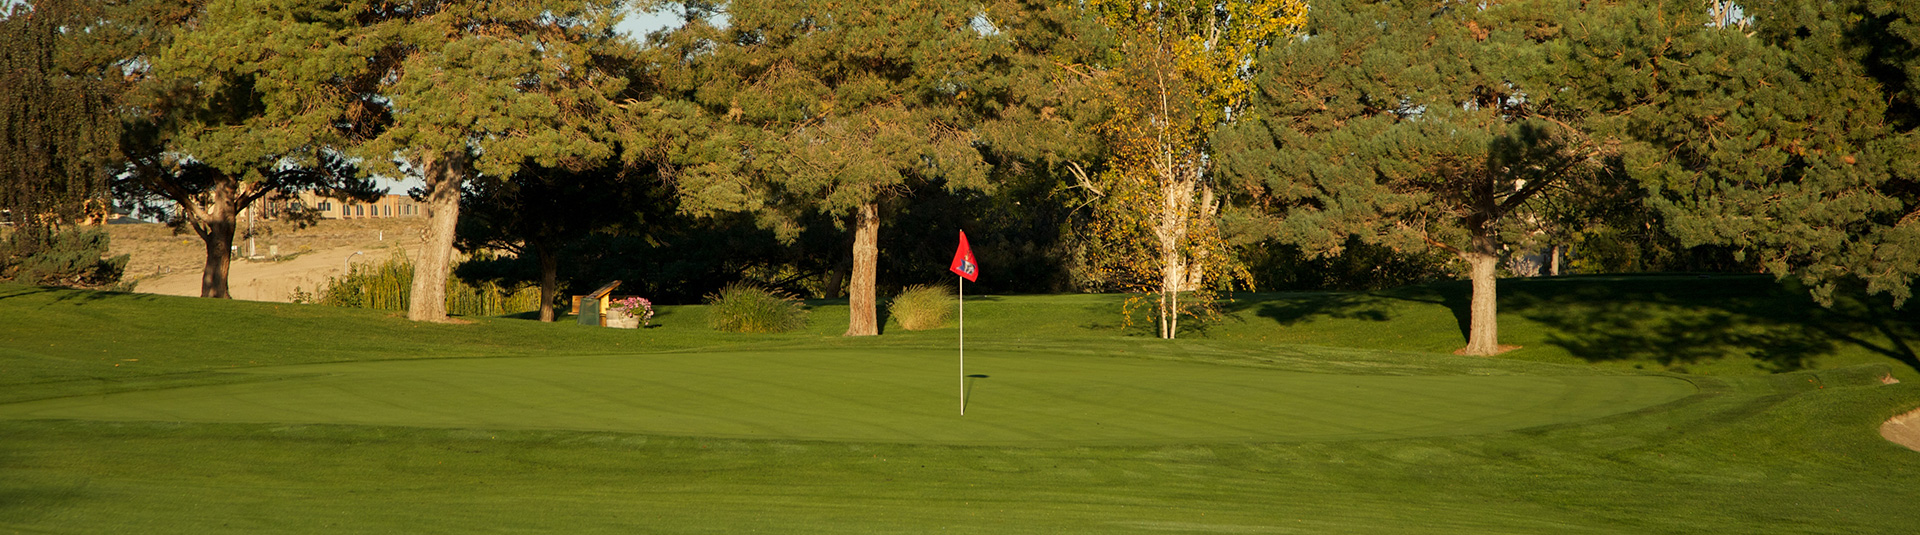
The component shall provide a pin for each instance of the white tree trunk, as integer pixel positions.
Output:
(1170, 233)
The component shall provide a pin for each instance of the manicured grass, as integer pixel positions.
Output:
(907, 396)
(1701, 324)
(250, 417)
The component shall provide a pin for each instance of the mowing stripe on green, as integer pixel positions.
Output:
(903, 396)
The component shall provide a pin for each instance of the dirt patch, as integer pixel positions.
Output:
(1496, 350)
(169, 263)
(1903, 430)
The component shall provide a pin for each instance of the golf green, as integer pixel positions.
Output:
(903, 396)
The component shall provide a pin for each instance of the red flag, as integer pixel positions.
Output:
(963, 264)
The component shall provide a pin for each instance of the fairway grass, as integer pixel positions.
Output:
(139, 414)
(1031, 399)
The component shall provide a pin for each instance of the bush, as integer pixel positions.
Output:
(923, 306)
(389, 286)
(75, 257)
(741, 308)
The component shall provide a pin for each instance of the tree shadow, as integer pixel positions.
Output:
(1456, 296)
(1292, 308)
(1691, 319)
(62, 295)
(24, 291)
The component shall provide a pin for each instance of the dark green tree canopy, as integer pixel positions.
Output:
(1792, 144)
(57, 122)
(831, 107)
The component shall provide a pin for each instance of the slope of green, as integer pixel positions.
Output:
(230, 417)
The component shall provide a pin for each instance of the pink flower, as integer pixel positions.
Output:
(638, 307)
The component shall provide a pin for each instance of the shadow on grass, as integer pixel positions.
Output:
(1292, 308)
(966, 396)
(71, 294)
(1669, 319)
(1681, 320)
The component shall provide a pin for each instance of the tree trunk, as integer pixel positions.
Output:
(1483, 329)
(1172, 280)
(1553, 261)
(216, 225)
(443, 173)
(1171, 232)
(1195, 268)
(218, 235)
(862, 318)
(549, 280)
(836, 283)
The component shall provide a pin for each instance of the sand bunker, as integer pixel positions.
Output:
(1903, 429)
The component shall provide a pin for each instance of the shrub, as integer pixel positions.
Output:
(923, 306)
(389, 285)
(742, 308)
(75, 257)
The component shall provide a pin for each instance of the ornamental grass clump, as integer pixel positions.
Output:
(923, 306)
(742, 308)
(388, 285)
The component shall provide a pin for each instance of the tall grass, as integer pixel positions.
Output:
(388, 285)
(742, 308)
(923, 306)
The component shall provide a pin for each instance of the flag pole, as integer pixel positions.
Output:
(963, 346)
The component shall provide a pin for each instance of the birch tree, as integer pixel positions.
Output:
(1176, 72)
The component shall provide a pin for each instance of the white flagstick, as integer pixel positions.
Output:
(963, 346)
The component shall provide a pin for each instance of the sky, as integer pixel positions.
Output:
(638, 23)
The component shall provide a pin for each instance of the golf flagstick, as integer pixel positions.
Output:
(967, 269)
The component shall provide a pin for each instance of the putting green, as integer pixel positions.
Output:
(881, 396)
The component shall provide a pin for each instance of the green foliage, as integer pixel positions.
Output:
(923, 306)
(1791, 144)
(388, 285)
(73, 257)
(740, 308)
(1360, 266)
(829, 107)
(1179, 70)
(57, 128)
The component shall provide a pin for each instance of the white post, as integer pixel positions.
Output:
(251, 251)
(963, 346)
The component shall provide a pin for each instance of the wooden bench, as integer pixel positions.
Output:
(592, 307)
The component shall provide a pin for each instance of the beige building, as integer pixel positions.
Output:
(387, 206)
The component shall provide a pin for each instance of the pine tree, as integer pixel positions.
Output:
(1790, 140)
(201, 143)
(1414, 126)
(799, 108)
(443, 90)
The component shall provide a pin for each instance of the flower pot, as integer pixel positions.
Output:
(619, 319)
